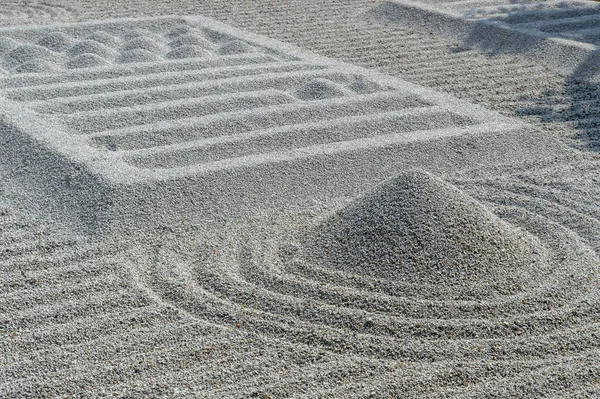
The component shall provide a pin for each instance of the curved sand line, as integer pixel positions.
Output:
(256, 278)
(164, 361)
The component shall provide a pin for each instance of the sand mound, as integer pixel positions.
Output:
(91, 47)
(236, 47)
(249, 276)
(144, 43)
(137, 55)
(26, 53)
(417, 228)
(181, 30)
(190, 40)
(187, 51)
(217, 36)
(85, 61)
(56, 41)
(214, 110)
(136, 32)
(105, 38)
(363, 86)
(319, 89)
(37, 66)
(197, 312)
(7, 44)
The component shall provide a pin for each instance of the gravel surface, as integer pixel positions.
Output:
(497, 297)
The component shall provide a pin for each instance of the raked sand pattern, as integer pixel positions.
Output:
(33, 11)
(366, 281)
(255, 309)
(564, 105)
(143, 116)
(497, 296)
(562, 34)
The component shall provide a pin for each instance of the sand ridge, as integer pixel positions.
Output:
(190, 312)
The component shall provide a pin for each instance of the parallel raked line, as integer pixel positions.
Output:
(559, 25)
(407, 63)
(244, 121)
(144, 344)
(39, 339)
(128, 97)
(531, 16)
(383, 113)
(85, 122)
(29, 259)
(72, 272)
(110, 84)
(28, 299)
(460, 380)
(71, 309)
(150, 365)
(121, 71)
(46, 246)
(316, 375)
(297, 136)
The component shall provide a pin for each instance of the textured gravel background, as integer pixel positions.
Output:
(233, 312)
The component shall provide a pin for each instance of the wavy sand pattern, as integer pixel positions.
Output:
(479, 332)
(321, 275)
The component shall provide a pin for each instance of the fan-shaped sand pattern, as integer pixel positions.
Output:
(91, 47)
(137, 55)
(104, 38)
(236, 47)
(255, 276)
(143, 43)
(188, 51)
(319, 89)
(190, 40)
(181, 30)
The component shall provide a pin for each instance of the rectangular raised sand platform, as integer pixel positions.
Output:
(564, 35)
(129, 123)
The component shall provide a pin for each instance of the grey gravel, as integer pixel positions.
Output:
(234, 307)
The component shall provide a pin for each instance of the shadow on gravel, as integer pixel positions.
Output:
(583, 93)
(576, 104)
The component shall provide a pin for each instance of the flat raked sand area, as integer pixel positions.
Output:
(189, 209)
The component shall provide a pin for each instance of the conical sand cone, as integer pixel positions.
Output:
(418, 228)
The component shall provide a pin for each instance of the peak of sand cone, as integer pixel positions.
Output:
(418, 228)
